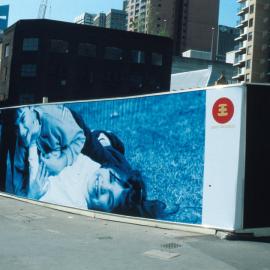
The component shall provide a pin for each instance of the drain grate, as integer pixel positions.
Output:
(170, 246)
(105, 238)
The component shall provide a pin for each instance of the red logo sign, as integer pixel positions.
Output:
(223, 110)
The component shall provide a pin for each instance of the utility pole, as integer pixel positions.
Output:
(42, 9)
(212, 43)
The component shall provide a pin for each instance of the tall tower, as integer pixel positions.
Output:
(188, 22)
(137, 11)
(252, 55)
(85, 18)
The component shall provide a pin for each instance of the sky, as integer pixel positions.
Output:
(67, 10)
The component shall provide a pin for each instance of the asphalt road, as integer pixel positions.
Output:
(35, 237)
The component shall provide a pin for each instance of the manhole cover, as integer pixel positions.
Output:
(171, 246)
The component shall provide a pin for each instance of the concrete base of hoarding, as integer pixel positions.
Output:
(244, 234)
(223, 234)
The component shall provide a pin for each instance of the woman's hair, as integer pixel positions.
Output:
(20, 112)
(134, 198)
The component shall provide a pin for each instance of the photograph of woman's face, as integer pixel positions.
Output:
(105, 191)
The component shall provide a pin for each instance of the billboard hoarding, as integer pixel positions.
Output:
(173, 157)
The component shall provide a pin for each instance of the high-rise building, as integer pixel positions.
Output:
(199, 25)
(85, 18)
(253, 50)
(225, 41)
(125, 3)
(100, 20)
(4, 11)
(116, 19)
(190, 23)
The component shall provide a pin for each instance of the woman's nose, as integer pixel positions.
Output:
(104, 184)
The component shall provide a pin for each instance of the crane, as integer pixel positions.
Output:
(42, 9)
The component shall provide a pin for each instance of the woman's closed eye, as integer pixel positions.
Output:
(110, 199)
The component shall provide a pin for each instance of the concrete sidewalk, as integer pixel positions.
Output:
(35, 237)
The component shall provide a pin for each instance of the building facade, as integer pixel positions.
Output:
(199, 24)
(67, 61)
(4, 12)
(225, 41)
(184, 64)
(189, 23)
(116, 19)
(252, 57)
(100, 20)
(85, 18)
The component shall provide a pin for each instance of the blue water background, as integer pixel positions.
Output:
(164, 138)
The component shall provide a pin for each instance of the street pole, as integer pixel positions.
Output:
(212, 44)
(165, 27)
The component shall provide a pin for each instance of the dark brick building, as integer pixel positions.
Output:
(66, 61)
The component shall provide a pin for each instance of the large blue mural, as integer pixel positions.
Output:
(140, 156)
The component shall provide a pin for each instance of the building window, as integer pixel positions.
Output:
(113, 53)
(63, 82)
(7, 50)
(87, 49)
(30, 44)
(249, 50)
(29, 70)
(136, 80)
(26, 98)
(248, 64)
(137, 57)
(5, 73)
(251, 9)
(249, 36)
(2, 97)
(262, 75)
(157, 59)
(59, 46)
(86, 75)
(112, 77)
(264, 47)
(250, 23)
(91, 77)
(248, 77)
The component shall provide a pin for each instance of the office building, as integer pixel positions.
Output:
(85, 18)
(4, 12)
(190, 23)
(100, 20)
(116, 19)
(252, 57)
(67, 61)
(225, 41)
(148, 16)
